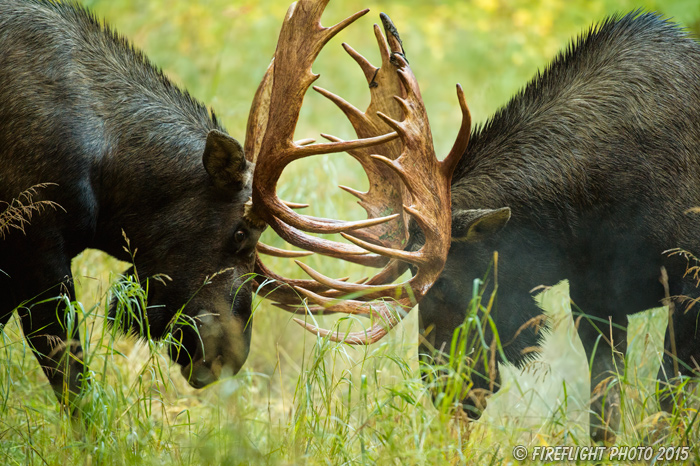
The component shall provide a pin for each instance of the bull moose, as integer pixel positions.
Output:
(120, 149)
(590, 173)
(90, 126)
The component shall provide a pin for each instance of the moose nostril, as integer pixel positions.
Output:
(201, 375)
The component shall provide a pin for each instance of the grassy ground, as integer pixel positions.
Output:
(300, 399)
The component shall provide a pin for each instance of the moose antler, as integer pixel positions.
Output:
(406, 179)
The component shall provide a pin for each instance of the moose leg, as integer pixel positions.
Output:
(605, 364)
(50, 328)
(681, 348)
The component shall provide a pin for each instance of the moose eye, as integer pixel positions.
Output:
(240, 236)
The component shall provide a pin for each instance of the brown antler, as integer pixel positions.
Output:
(406, 179)
(301, 39)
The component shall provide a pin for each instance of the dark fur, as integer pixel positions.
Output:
(81, 108)
(598, 159)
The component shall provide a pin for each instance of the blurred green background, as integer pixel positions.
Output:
(219, 49)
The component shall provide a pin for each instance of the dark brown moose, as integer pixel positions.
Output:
(120, 151)
(590, 173)
(111, 150)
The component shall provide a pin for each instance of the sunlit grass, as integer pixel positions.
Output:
(326, 404)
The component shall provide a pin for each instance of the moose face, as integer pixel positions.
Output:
(200, 265)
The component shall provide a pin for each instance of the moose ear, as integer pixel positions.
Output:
(473, 225)
(224, 161)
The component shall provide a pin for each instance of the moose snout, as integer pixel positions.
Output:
(206, 370)
(223, 346)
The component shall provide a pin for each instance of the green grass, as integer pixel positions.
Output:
(331, 404)
(299, 399)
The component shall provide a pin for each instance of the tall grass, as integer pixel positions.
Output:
(334, 404)
(301, 399)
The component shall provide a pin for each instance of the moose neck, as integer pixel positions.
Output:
(152, 141)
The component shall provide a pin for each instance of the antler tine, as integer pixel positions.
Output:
(268, 250)
(302, 309)
(386, 317)
(367, 68)
(373, 335)
(415, 258)
(353, 114)
(346, 288)
(462, 141)
(344, 251)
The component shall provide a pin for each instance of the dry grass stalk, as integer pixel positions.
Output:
(17, 213)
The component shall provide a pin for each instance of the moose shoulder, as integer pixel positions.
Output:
(587, 174)
(119, 149)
